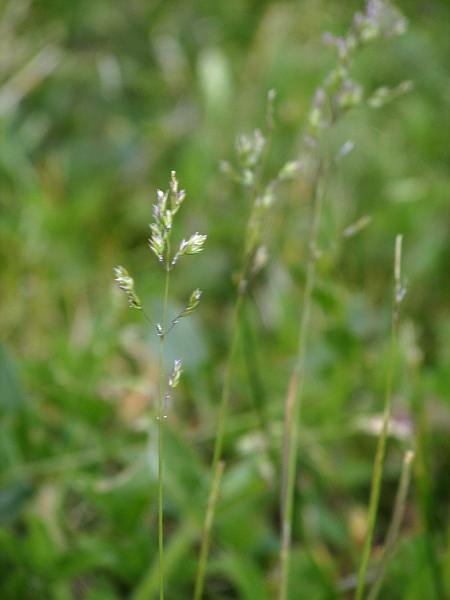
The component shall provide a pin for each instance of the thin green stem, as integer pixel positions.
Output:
(217, 464)
(379, 458)
(176, 549)
(147, 318)
(294, 395)
(394, 527)
(250, 349)
(446, 583)
(211, 506)
(224, 402)
(160, 432)
(425, 491)
(226, 386)
(242, 286)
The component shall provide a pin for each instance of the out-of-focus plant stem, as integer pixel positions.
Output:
(295, 390)
(379, 458)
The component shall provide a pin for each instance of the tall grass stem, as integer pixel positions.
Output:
(218, 446)
(295, 391)
(211, 506)
(397, 517)
(160, 432)
(218, 465)
(381, 449)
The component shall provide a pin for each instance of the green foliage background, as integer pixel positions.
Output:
(99, 101)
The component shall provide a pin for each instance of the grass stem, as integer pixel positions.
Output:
(160, 432)
(295, 390)
(381, 449)
(212, 500)
(217, 464)
(397, 517)
(226, 386)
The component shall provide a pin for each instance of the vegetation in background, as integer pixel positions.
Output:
(98, 102)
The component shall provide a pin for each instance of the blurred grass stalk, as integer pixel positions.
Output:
(294, 395)
(218, 465)
(338, 94)
(212, 500)
(426, 493)
(399, 292)
(397, 517)
(252, 155)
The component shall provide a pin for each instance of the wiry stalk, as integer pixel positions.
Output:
(334, 99)
(210, 509)
(253, 232)
(160, 433)
(397, 516)
(294, 395)
(226, 386)
(399, 293)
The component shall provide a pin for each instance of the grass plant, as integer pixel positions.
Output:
(394, 528)
(164, 210)
(399, 293)
(252, 156)
(332, 101)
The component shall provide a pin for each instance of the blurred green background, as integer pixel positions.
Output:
(99, 101)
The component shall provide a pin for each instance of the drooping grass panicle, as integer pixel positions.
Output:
(126, 283)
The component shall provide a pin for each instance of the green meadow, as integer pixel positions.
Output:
(297, 263)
